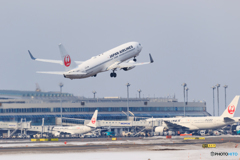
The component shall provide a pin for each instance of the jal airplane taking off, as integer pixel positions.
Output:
(92, 125)
(199, 123)
(113, 59)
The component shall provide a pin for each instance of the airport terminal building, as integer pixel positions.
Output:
(34, 106)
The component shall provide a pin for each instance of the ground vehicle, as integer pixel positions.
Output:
(202, 132)
(89, 135)
(127, 134)
(37, 136)
(238, 130)
(216, 133)
(141, 134)
(110, 134)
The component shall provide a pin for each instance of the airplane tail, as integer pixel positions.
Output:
(66, 59)
(93, 122)
(229, 112)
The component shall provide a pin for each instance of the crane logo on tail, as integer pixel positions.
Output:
(231, 109)
(67, 61)
(93, 121)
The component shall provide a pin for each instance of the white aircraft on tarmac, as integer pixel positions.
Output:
(199, 123)
(111, 60)
(91, 126)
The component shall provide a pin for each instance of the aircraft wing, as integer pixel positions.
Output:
(129, 64)
(227, 119)
(68, 132)
(174, 125)
(50, 61)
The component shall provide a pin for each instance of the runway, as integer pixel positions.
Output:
(106, 144)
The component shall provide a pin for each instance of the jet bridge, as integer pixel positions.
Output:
(120, 126)
(12, 127)
(126, 123)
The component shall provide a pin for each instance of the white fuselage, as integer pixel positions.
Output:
(101, 62)
(73, 130)
(195, 123)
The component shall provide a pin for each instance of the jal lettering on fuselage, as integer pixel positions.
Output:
(172, 121)
(175, 120)
(209, 120)
(114, 54)
(123, 50)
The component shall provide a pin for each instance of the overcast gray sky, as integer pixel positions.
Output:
(196, 42)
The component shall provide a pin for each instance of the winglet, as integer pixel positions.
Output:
(151, 59)
(33, 58)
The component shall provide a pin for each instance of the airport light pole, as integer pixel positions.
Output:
(213, 87)
(94, 92)
(139, 91)
(61, 85)
(184, 85)
(21, 126)
(127, 100)
(187, 95)
(218, 85)
(225, 88)
(42, 127)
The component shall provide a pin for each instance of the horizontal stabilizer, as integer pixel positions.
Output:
(59, 73)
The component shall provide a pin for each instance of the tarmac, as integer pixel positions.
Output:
(157, 143)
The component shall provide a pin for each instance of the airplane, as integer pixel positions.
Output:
(113, 59)
(199, 123)
(91, 126)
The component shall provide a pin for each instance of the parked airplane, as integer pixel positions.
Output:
(92, 125)
(198, 123)
(111, 60)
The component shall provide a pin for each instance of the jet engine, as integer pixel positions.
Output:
(128, 68)
(160, 129)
